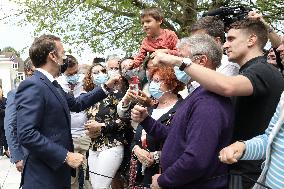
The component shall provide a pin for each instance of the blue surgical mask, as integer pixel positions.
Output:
(73, 79)
(100, 78)
(181, 75)
(154, 89)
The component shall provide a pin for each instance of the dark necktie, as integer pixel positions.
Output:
(59, 90)
(56, 84)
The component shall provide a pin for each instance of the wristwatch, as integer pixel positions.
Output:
(185, 63)
(156, 156)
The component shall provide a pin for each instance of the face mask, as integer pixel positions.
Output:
(73, 79)
(181, 75)
(148, 76)
(113, 73)
(100, 78)
(154, 89)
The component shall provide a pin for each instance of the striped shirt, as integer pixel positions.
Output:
(256, 149)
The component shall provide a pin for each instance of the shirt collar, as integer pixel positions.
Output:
(47, 74)
(161, 36)
(259, 59)
(192, 86)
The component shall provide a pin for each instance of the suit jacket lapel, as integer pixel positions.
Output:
(44, 79)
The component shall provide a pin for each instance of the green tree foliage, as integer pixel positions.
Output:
(273, 11)
(11, 49)
(112, 24)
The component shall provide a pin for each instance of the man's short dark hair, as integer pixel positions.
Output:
(41, 47)
(154, 12)
(255, 27)
(211, 25)
(71, 61)
(97, 60)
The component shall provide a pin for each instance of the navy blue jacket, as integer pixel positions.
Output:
(10, 126)
(43, 126)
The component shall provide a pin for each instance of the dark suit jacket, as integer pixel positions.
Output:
(2, 115)
(43, 123)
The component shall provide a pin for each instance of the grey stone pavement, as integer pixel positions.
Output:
(9, 176)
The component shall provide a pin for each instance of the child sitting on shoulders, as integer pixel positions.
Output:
(157, 39)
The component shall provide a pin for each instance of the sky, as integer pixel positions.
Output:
(11, 34)
(21, 37)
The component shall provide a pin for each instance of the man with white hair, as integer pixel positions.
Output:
(202, 124)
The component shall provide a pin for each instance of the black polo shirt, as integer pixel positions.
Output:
(253, 113)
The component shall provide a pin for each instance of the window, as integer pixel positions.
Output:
(20, 76)
(15, 65)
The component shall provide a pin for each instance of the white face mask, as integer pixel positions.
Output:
(113, 73)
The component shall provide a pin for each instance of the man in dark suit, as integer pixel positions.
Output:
(43, 118)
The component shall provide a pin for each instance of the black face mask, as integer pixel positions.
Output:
(64, 66)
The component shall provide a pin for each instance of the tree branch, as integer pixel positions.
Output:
(180, 2)
(139, 4)
(110, 10)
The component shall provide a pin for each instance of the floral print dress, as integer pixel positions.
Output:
(117, 130)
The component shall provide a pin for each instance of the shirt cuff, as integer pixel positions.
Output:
(66, 157)
(16, 156)
(245, 155)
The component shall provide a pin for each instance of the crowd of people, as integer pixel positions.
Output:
(177, 115)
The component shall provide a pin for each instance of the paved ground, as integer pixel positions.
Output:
(9, 176)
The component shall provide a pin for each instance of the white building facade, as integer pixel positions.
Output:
(8, 74)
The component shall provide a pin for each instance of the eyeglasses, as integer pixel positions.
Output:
(196, 56)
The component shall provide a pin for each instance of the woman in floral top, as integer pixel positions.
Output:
(109, 133)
